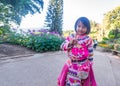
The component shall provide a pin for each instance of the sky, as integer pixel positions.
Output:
(73, 9)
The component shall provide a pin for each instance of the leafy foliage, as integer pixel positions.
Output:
(114, 34)
(44, 43)
(39, 43)
(5, 13)
(23, 7)
(96, 31)
(111, 20)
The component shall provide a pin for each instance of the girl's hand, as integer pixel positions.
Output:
(73, 41)
(73, 58)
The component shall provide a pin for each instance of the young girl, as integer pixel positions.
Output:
(77, 71)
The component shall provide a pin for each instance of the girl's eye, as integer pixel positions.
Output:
(81, 26)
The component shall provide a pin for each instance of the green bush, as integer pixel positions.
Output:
(111, 46)
(44, 43)
(38, 43)
(118, 35)
(105, 39)
(118, 41)
(102, 42)
(111, 36)
(119, 48)
(15, 38)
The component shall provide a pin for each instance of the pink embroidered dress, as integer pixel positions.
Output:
(78, 72)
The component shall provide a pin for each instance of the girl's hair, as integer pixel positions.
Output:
(85, 21)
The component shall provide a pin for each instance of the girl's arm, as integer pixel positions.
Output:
(64, 45)
(90, 49)
(68, 43)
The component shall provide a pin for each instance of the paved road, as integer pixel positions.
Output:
(43, 69)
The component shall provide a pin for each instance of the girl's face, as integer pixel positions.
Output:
(81, 29)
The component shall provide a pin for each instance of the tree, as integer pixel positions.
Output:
(96, 31)
(111, 20)
(21, 8)
(54, 17)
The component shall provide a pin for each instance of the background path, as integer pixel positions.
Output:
(43, 69)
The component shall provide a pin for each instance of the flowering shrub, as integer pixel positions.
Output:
(41, 32)
(40, 41)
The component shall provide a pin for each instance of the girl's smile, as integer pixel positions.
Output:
(81, 29)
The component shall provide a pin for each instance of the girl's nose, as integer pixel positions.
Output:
(80, 28)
